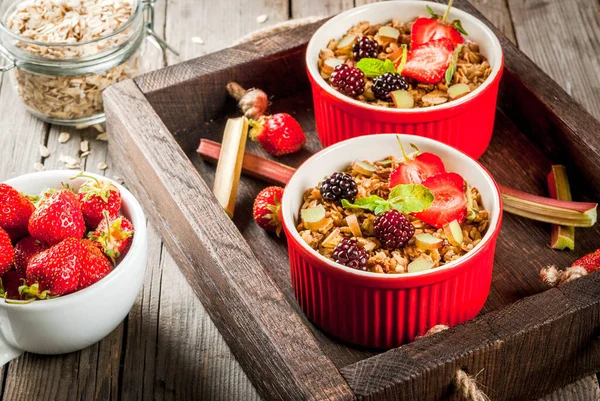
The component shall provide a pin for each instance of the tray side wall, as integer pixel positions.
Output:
(273, 345)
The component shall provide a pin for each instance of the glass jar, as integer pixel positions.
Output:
(61, 81)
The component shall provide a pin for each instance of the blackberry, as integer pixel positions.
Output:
(350, 253)
(365, 47)
(348, 80)
(337, 187)
(393, 229)
(386, 83)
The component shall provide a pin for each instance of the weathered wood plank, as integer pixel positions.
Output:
(304, 8)
(256, 308)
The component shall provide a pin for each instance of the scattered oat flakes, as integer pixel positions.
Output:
(262, 18)
(84, 146)
(102, 137)
(102, 166)
(64, 137)
(39, 166)
(99, 127)
(84, 154)
(197, 40)
(44, 152)
(70, 162)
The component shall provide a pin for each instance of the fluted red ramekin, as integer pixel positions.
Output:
(466, 123)
(386, 310)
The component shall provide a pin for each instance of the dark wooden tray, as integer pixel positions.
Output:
(528, 341)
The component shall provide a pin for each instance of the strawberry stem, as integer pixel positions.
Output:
(404, 155)
(82, 174)
(445, 17)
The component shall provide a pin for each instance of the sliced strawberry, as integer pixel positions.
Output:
(449, 200)
(427, 29)
(415, 171)
(428, 62)
(590, 262)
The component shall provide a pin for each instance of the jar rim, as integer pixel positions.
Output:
(120, 29)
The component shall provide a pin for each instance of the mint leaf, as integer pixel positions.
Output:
(372, 203)
(453, 64)
(373, 67)
(409, 198)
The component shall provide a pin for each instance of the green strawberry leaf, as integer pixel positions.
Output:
(431, 12)
(409, 198)
(453, 64)
(402, 59)
(373, 67)
(458, 26)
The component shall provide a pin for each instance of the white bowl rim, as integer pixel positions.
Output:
(314, 70)
(288, 218)
(139, 238)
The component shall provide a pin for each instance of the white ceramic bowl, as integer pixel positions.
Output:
(78, 320)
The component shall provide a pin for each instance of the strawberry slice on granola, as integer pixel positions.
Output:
(417, 170)
(449, 200)
(428, 62)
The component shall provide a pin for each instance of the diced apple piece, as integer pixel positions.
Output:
(395, 56)
(313, 217)
(389, 34)
(454, 233)
(363, 167)
(458, 90)
(331, 63)
(420, 264)
(352, 221)
(428, 242)
(332, 239)
(402, 99)
(346, 42)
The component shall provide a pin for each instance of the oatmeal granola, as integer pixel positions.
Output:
(338, 224)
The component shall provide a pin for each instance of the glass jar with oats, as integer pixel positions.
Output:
(63, 53)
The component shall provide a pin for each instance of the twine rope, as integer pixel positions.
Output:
(464, 384)
(554, 277)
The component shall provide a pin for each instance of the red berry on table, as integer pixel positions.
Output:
(94, 266)
(7, 252)
(279, 134)
(350, 253)
(58, 268)
(348, 80)
(427, 63)
(425, 30)
(15, 210)
(449, 200)
(57, 217)
(393, 229)
(113, 236)
(97, 195)
(590, 262)
(25, 250)
(267, 209)
(417, 169)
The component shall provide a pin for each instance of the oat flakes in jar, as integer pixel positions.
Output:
(63, 53)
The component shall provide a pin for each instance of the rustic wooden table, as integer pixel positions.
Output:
(168, 348)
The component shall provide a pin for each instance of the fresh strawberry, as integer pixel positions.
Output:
(416, 170)
(425, 30)
(427, 63)
(15, 211)
(26, 249)
(7, 252)
(58, 268)
(267, 209)
(57, 217)
(94, 266)
(278, 134)
(114, 236)
(11, 281)
(590, 262)
(449, 200)
(96, 196)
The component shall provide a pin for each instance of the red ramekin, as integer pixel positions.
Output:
(466, 123)
(386, 310)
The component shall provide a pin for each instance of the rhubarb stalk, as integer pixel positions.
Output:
(229, 167)
(548, 210)
(562, 237)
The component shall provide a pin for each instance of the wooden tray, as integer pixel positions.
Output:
(528, 341)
